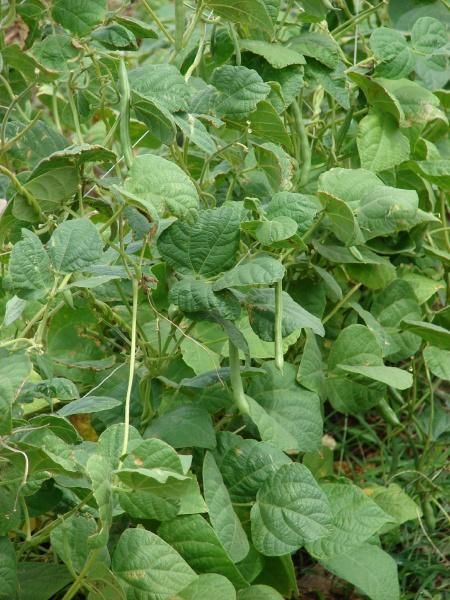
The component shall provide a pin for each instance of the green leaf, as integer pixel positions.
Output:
(74, 245)
(381, 145)
(155, 472)
(183, 426)
(110, 442)
(245, 464)
(333, 81)
(370, 569)
(355, 519)
(240, 89)
(193, 295)
(392, 52)
(15, 368)
(259, 592)
(301, 208)
(224, 520)
(56, 52)
(13, 310)
(311, 369)
(287, 416)
(158, 119)
(245, 12)
(438, 361)
(290, 510)
(378, 96)
(88, 405)
(70, 540)
(162, 186)
(198, 544)
(209, 585)
(436, 335)
(275, 54)
(396, 378)
(259, 270)
(146, 564)
(52, 187)
(378, 209)
(196, 132)
(100, 473)
(138, 27)
(276, 230)
(429, 36)
(318, 45)
(261, 310)
(162, 84)
(418, 104)
(393, 304)
(314, 11)
(342, 220)
(276, 164)
(41, 581)
(29, 267)
(6, 402)
(115, 37)
(207, 247)
(394, 502)
(79, 16)
(436, 171)
(8, 569)
(356, 346)
(267, 125)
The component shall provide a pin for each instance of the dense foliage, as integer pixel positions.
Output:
(225, 339)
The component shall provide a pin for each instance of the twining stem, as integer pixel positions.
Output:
(179, 24)
(124, 89)
(279, 358)
(161, 25)
(132, 366)
(236, 381)
(305, 150)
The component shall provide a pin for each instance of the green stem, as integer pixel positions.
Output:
(305, 150)
(132, 367)
(237, 49)
(45, 531)
(124, 88)
(155, 17)
(179, 24)
(341, 303)
(340, 29)
(443, 210)
(22, 191)
(74, 112)
(236, 381)
(7, 145)
(78, 583)
(279, 358)
(199, 54)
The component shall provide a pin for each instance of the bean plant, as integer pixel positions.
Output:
(225, 338)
